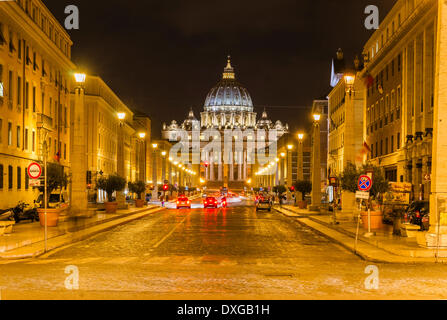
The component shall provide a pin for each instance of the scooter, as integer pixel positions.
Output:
(20, 214)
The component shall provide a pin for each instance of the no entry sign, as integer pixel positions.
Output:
(365, 183)
(34, 171)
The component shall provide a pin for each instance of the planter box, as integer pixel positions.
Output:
(6, 227)
(376, 220)
(111, 207)
(52, 217)
(302, 204)
(409, 230)
(139, 203)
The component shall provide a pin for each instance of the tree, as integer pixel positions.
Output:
(304, 187)
(56, 179)
(380, 185)
(138, 187)
(279, 189)
(349, 178)
(111, 184)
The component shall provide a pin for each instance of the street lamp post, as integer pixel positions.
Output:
(316, 172)
(143, 176)
(154, 172)
(120, 198)
(300, 173)
(78, 189)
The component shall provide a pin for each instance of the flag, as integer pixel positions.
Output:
(365, 150)
(57, 157)
(369, 81)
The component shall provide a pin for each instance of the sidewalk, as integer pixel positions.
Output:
(27, 239)
(382, 247)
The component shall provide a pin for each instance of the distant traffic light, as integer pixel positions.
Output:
(165, 187)
(206, 164)
(292, 189)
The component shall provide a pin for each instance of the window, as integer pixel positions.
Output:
(26, 179)
(10, 94)
(372, 150)
(10, 177)
(1, 177)
(19, 91)
(398, 141)
(381, 147)
(399, 62)
(19, 50)
(65, 151)
(26, 95)
(26, 139)
(386, 146)
(43, 103)
(9, 134)
(34, 99)
(19, 178)
(392, 144)
(18, 136)
(34, 142)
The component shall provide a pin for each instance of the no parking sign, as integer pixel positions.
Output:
(365, 183)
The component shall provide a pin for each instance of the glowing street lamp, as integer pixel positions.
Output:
(317, 117)
(142, 135)
(80, 77)
(154, 145)
(121, 116)
(290, 147)
(300, 136)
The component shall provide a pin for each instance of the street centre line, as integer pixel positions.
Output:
(170, 233)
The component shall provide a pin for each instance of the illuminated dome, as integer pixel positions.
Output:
(228, 95)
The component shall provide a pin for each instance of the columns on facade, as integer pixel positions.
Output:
(220, 169)
(239, 165)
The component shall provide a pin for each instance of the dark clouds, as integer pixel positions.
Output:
(163, 56)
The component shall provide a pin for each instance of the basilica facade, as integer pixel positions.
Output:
(228, 108)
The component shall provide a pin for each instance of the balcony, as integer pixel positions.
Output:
(44, 122)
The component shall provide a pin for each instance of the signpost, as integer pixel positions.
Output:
(365, 184)
(34, 171)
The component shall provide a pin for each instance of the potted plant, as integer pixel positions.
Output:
(111, 184)
(375, 205)
(56, 179)
(138, 188)
(349, 185)
(304, 187)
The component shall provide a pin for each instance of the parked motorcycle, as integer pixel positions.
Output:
(418, 214)
(21, 213)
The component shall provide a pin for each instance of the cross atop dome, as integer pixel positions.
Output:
(229, 70)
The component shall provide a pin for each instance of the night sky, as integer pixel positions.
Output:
(162, 57)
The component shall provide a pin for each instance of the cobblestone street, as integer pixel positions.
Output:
(229, 253)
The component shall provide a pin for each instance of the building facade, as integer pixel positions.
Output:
(228, 106)
(400, 65)
(35, 72)
(112, 145)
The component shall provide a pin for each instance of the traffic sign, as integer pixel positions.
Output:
(34, 183)
(365, 183)
(362, 195)
(34, 171)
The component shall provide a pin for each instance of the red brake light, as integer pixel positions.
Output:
(418, 214)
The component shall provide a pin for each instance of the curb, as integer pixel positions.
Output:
(37, 249)
(364, 249)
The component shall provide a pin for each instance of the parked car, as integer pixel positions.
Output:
(264, 203)
(418, 213)
(183, 202)
(57, 200)
(210, 202)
